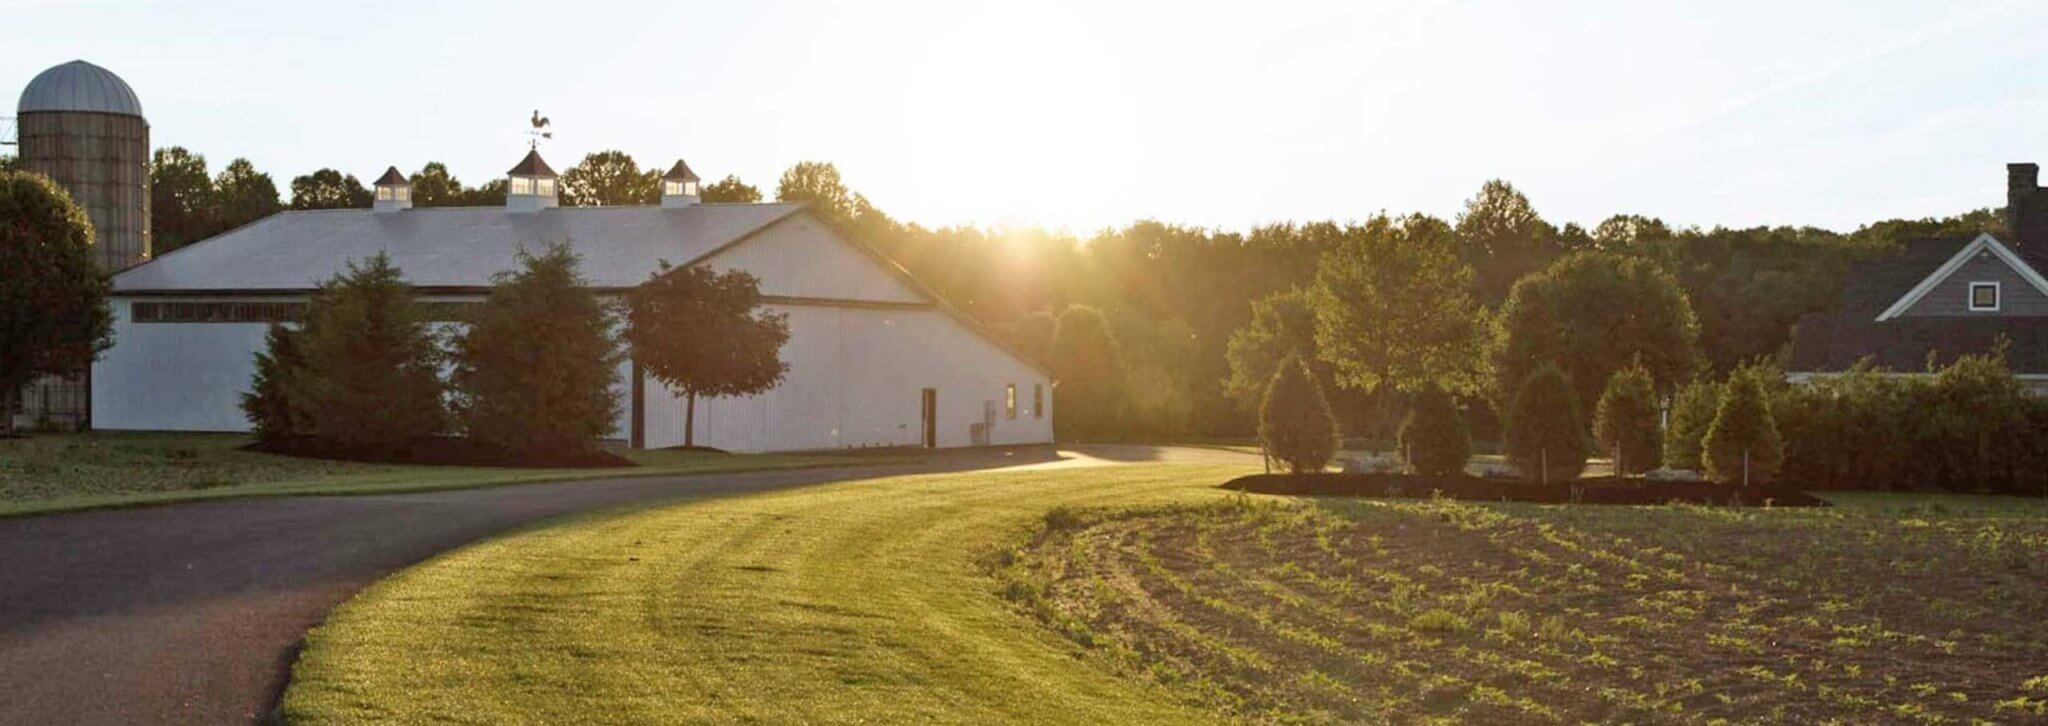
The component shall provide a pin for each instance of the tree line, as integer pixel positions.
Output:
(1195, 319)
(188, 204)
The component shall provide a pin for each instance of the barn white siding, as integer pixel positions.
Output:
(865, 343)
(856, 379)
(799, 257)
(175, 376)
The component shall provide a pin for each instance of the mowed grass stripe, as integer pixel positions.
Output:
(866, 601)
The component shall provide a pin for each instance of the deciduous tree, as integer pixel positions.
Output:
(244, 195)
(1392, 309)
(730, 190)
(182, 207)
(704, 333)
(329, 189)
(1089, 364)
(433, 186)
(610, 179)
(1503, 238)
(1692, 411)
(1591, 313)
(54, 318)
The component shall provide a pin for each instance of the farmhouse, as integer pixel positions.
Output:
(874, 358)
(1941, 299)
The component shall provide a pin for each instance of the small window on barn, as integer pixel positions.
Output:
(1010, 401)
(1984, 296)
(1038, 400)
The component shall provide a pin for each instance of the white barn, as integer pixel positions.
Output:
(874, 358)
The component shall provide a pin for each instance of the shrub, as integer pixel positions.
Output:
(273, 413)
(1625, 422)
(1692, 411)
(1294, 421)
(1433, 436)
(534, 371)
(1545, 437)
(1742, 446)
(370, 379)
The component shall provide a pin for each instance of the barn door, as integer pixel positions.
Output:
(930, 406)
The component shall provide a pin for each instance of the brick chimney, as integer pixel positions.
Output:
(2026, 206)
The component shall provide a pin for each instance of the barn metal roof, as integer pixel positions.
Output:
(79, 86)
(447, 246)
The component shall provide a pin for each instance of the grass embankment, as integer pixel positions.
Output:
(55, 472)
(1882, 609)
(866, 601)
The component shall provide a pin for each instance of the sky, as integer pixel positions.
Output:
(1084, 115)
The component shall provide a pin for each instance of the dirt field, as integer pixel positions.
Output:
(1884, 609)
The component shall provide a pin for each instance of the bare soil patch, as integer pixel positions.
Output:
(1412, 611)
(1600, 490)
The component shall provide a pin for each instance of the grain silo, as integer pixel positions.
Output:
(82, 126)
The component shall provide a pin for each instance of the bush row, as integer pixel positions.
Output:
(1969, 427)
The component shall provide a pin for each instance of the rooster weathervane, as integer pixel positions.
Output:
(542, 129)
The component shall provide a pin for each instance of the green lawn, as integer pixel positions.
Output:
(867, 601)
(55, 472)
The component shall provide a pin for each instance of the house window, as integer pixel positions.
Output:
(1010, 401)
(1984, 296)
(1038, 400)
(522, 186)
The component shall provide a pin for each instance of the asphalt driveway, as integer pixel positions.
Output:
(192, 613)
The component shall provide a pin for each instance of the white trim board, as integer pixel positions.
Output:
(1981, 243)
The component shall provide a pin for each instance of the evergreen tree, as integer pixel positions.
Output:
(272, 412)
(1295, 422)
(1433, 436)
(534, 372)
(703, 333)
(370, 380)
(1625, 421)
(54, 318)
(1692, 411)
(1743, 444)
(1546, 438)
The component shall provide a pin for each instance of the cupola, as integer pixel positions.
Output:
(394, 192)
(530, 186)
(679, 187)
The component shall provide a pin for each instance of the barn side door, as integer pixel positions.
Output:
(930, 406)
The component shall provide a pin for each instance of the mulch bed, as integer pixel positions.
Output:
(1604, 490)
(447, 451)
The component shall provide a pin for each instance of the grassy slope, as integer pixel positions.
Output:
(866, 601)
(57, 472)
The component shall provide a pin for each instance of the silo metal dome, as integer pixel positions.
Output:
(79, 86)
